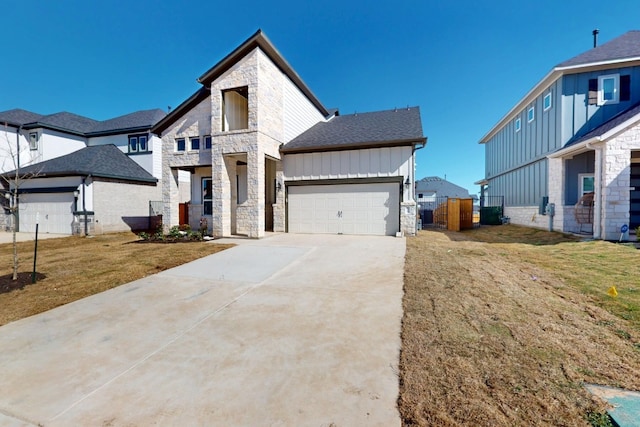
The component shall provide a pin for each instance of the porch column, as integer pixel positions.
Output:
(170, 198)
(598, 201)
(255, 191)
(556, 184)
(221, 198)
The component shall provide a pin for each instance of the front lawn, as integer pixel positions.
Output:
(503, 325)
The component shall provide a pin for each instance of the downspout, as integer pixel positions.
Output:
(597, 193)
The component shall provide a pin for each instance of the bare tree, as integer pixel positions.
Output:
(12, 180)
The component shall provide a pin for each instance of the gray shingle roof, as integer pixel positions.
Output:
(80, 125)
(625, 46)
(441, 187)
(104, 161)
(381, 128)
(608, 125)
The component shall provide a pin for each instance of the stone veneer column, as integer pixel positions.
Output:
(408, 218)
(255, 191)
(170, 197)
(556, 185)
(221, 198)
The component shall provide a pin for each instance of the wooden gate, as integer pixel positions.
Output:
(459, 214)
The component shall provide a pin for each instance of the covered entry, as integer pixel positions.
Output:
(367, 208)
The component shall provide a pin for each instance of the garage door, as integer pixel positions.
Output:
(345, 209)
(54, 212)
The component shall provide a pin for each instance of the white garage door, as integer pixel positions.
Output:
(345, 209)
(54, 212)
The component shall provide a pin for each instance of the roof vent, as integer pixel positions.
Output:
(595, 37)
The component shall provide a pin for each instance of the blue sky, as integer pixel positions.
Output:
(465, 63)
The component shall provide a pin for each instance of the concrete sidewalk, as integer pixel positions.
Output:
(289, 330)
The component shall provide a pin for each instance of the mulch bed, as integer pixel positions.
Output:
(7, 284)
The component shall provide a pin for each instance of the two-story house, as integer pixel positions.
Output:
(52, 149)
(575, 136)
(264, 154)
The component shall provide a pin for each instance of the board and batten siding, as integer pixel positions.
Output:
(515, 161)
(365, 163)
(578, 117)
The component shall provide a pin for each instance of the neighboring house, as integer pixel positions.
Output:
(576, 132)
(432, 187)
(99, 186)
(27, 139)
(264, 154)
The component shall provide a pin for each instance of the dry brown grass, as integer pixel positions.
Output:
(76, 267)
(503, 325)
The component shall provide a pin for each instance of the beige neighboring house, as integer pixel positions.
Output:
(264, 154)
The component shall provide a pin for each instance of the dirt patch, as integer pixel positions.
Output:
(7, 284)
(493, 337)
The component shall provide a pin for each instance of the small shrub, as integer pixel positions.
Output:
(174, 232)
(598, 419)
(184, 227)
(144, 236)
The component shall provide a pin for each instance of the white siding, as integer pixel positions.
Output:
(55, 144)
(367, 163)
(299, 113)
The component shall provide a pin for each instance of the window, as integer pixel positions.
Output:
(531, 114)
(195, 143)
(34, 137)
(138, 143)
(608, 89)
(241, 182)
(180, 144)
(235, 108)
(207, 192)
(207, 142)
(586, 184)
(547, 101)
(518, 124)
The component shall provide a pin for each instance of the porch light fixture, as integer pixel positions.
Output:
(407, 182)
(76, 193)
(7, 195)
(278, 186)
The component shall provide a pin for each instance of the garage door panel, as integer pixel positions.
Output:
(344, 208)
(52, 211)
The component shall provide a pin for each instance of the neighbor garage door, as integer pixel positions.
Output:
(53, 212)
(345, 209)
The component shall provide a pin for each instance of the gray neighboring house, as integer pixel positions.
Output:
(433, 186)
(41, 138)
(100, 184)
(574, 136)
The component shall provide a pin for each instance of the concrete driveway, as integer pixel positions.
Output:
(288, 330)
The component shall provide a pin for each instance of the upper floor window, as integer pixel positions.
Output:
(531, 114)
(34, 137)
(518, 124)
(180, 144)
(195, 143)
(235, 109)
(546, 102)
(207, 142)
(138, 143)
(608, 89)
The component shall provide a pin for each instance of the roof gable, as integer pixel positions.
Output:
(257, 41)
(104, 161)
(375, 129)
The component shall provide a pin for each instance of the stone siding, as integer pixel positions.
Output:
(528, 216)
(408, 218)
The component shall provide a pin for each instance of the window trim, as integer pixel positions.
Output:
(616, 89)
(34, 138)
(136, 147)
(209, 200)
(581, 177)
(544, 102)
(182, 141)
(531, 114)
(518, 124)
